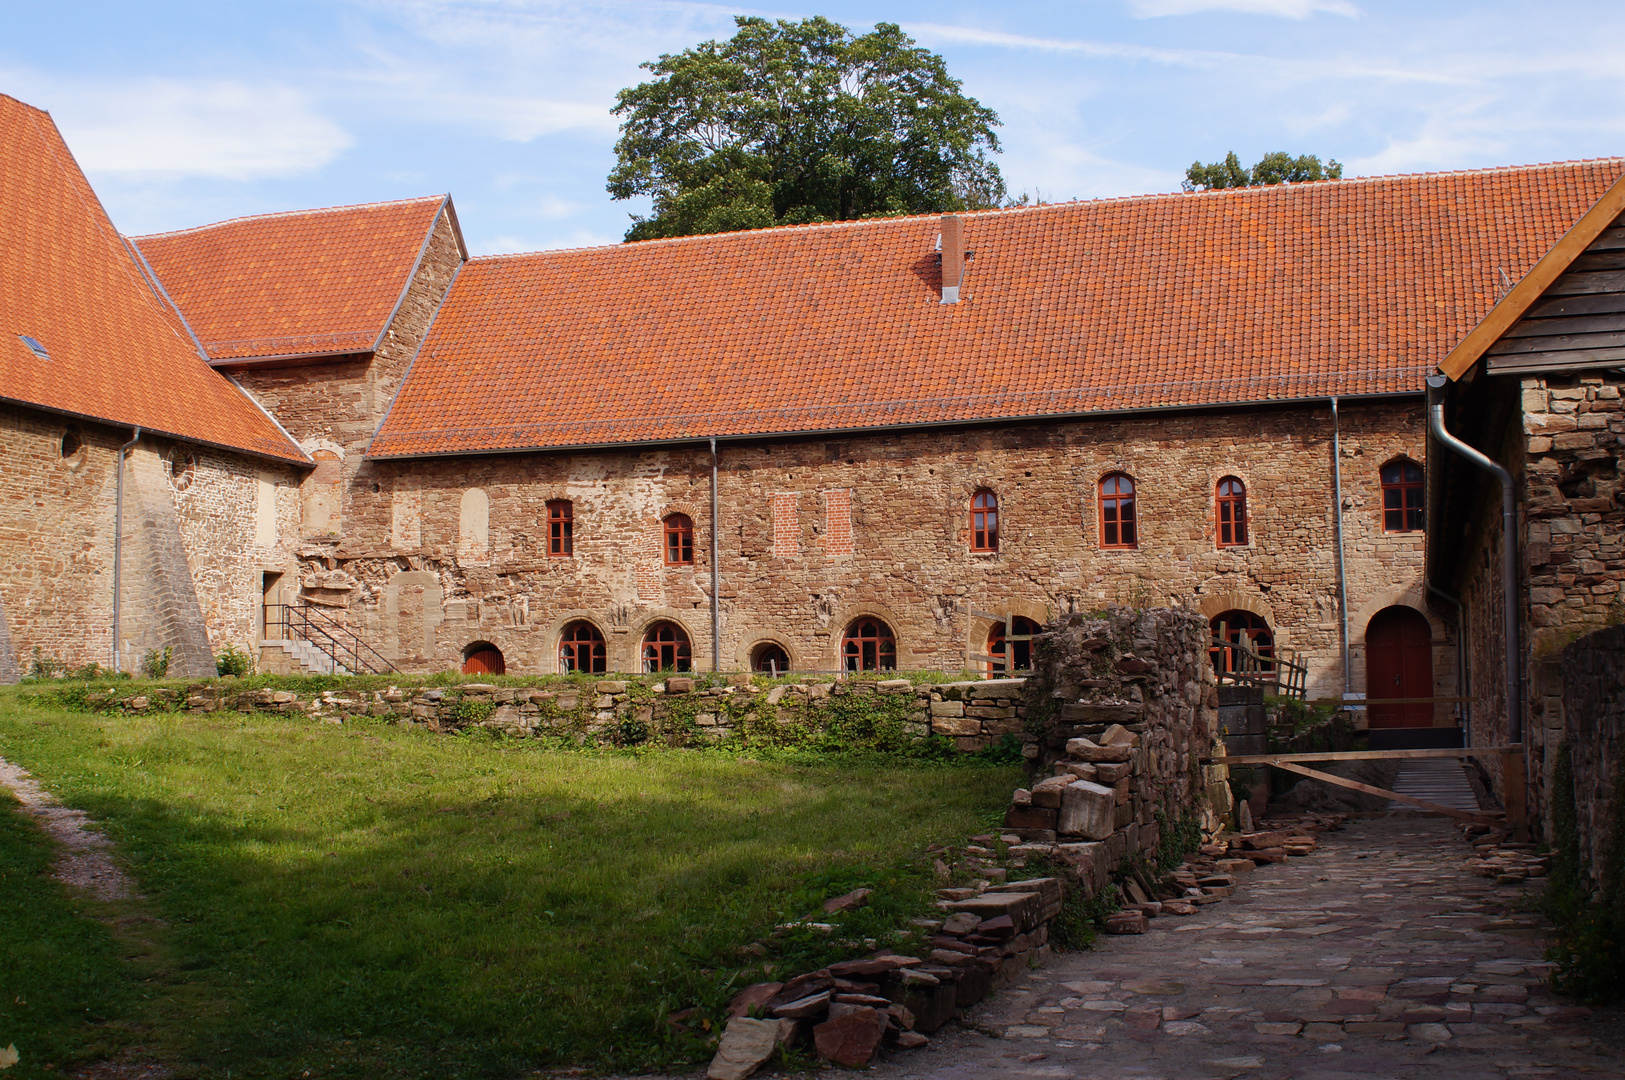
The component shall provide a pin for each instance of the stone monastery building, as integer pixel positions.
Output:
(874, 444)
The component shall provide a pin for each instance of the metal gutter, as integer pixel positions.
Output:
(192, 440)
(1342, 581)
(716, 569)
(1509, 549)
(849, 432)
(118, 543)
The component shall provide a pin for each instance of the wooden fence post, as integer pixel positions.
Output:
(1513, 782)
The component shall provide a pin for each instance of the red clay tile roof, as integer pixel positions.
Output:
(305, 283)
(118, 352)
(1349, 288)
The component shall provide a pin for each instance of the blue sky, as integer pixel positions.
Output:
(185, 113)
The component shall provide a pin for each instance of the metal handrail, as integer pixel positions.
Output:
(339, 642)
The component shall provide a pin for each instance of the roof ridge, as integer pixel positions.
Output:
(1259, 191)
(290, 213)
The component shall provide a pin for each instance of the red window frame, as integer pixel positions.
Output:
(560, 528)
(581, 648)
(1237, 622)
(869, 645)
(1231, 498)
(1118, 519)
(679, 531)
(984, 521)
(666, 648)
(1402, 496)
(769, 654)
(1021, 652)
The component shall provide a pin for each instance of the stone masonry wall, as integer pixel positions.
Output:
(1594, 703)
(1565, 460)
(878, 526)
(182, 582)
(1127, 704)
(676, 710)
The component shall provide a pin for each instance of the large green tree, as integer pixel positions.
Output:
(1278, 167)
(794, 122)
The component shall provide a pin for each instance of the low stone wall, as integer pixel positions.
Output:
(1594, 707)
(678, 710)
(1125, 704)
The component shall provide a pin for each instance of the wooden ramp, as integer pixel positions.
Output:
(1441, 781)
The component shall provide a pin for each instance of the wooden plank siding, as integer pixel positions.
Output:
(1578, 322)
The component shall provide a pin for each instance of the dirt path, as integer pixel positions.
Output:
(86, 860)
(1376, 956)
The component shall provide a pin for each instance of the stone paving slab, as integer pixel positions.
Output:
(1375, 956)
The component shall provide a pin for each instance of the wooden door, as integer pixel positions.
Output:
(484, 660)
(1399, 664)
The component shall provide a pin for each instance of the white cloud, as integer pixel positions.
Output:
(158, 127)
(1286, 9)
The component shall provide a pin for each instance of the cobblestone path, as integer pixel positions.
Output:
(1375, 956)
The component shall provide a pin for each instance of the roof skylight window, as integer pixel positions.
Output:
(34, 346)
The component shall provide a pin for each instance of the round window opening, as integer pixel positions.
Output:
(182, 468)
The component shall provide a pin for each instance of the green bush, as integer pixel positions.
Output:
(155, 665)
(233, 661)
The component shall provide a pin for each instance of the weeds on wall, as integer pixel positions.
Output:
(1589, 949)
(155, 664)
(46, 668)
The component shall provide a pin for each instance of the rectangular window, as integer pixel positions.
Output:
(560, 529)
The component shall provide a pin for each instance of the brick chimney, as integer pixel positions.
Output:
(953, 257)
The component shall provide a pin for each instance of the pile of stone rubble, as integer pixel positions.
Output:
(987, 934)
(1495, 856)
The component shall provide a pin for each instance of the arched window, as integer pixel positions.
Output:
(1401, 496)
(679, 540)
(1237, 628)
(1232, 500)
(483, 658)
(869, 645)
(1117, 512)
(560, 529)
(72, 442)
(984, 521)
(665, 648)
(770, 658)
(1018, 654)
(581, 648)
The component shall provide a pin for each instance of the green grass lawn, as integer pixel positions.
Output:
(372, 900)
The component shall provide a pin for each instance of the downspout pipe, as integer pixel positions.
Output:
(716, 568)
(118, 542)
(1509, 549)
(1462, 679)
(1342, 581)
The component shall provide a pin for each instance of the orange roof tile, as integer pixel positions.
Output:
(118, 351)
(305, 283)
(1349, 288)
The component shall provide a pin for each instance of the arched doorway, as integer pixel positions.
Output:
(483, 658)
(1235, 628)
(1020, 656)
(1399, 664)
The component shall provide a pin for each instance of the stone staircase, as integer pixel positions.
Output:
(311, 660)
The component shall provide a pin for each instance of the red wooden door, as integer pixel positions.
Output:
(485, 661)
(1399, 664)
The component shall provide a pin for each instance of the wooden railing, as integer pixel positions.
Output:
(1276, 671)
